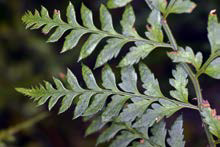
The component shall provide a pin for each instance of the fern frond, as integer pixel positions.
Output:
(131, 115)
(114, 43)
(86, 106)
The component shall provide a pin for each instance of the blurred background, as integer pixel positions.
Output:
(26, 59)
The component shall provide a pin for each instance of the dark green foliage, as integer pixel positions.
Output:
(130, 113)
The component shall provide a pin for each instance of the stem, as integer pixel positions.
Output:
(194, 80)
(169, 34)
(206, 64)
(181, 104)
(189, 71)
(185, 105)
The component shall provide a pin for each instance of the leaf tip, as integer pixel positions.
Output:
(79, 59)
(20, 90)
(75, 116)
(63, 50)
(97, 65)
(70, 3)
(83, 6)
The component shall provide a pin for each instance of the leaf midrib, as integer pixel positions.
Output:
(46, 21)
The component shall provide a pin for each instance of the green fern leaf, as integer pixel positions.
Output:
(89, 78)
(35, 94)
(97, 104)
(179, 83)
(108, 79)
(92, 100)
(159, 133)
(72, 39)
(158, 111)
(71, 16)
(157, 4)
(72, 80)
(176, 134)
(129, 80)
(124, 139)
(114, 107)
(142, 49)
(177, 6)
(127, 22)
(133, 110)
(114, 43)
(149, 82)
(111, 50)
(182, 6)
(43, 98)
(90, 45)
(109, 133)
(117, 3)
(106, 20)
(67, 101)
(60, 92)
(214, 31)
(83, 103)
(157, 139)
(83, 107)
(145, 144)
(87, 18)
(155, 32)
(212, 119)
(213, 69)
(187, 56)
(137, 53)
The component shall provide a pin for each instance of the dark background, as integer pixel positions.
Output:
(26, 59)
